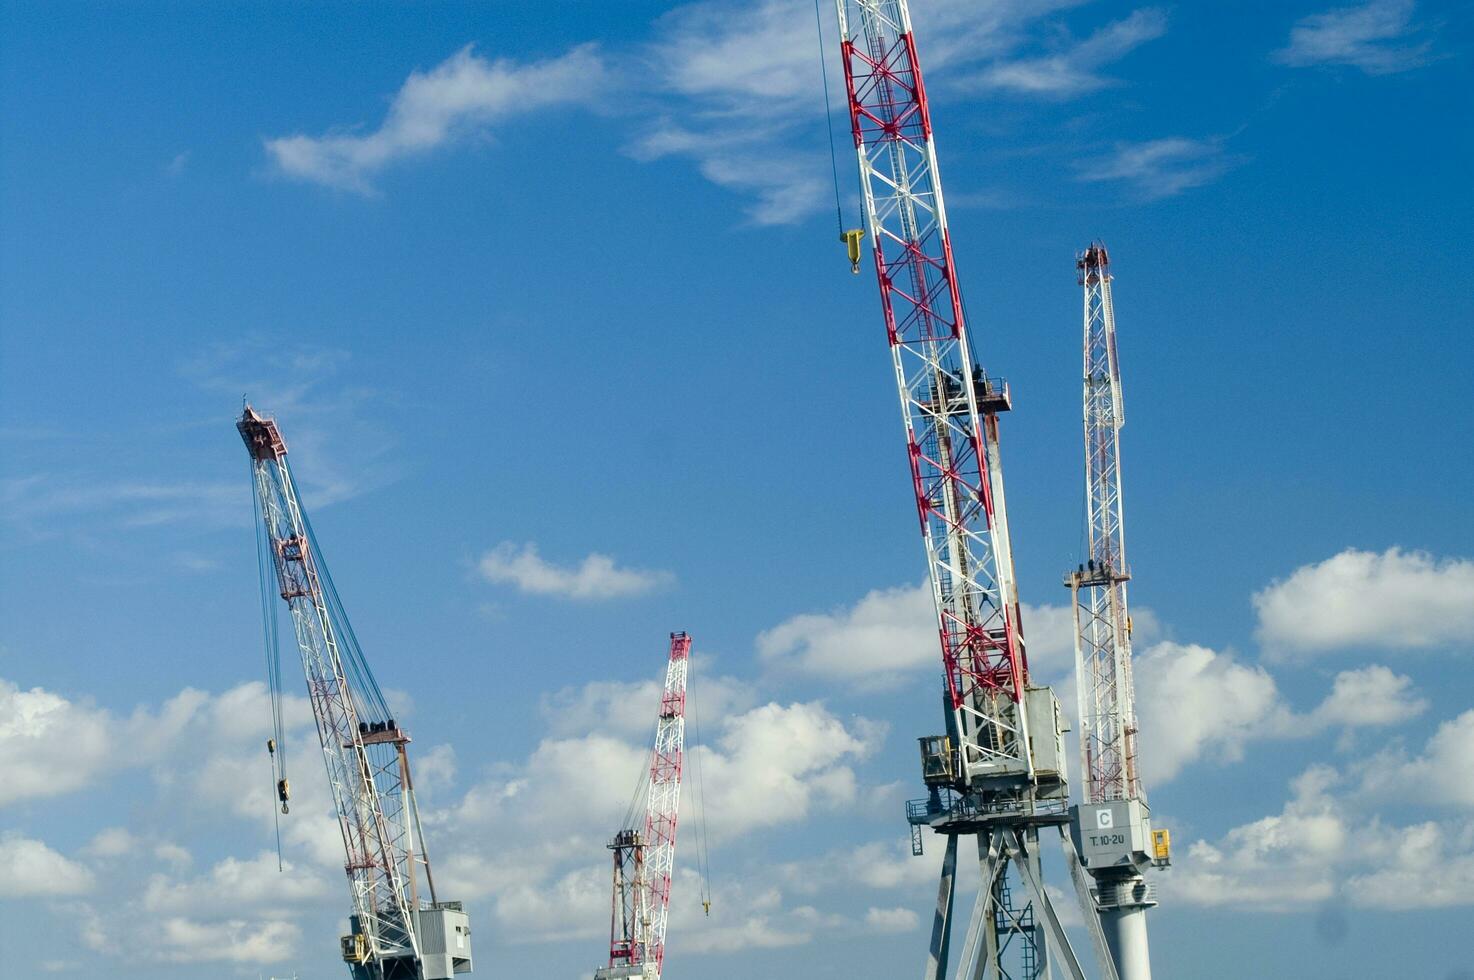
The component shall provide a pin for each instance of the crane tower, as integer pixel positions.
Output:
(998, 773)
(398, 928)
(1112, 825)
(645, 859)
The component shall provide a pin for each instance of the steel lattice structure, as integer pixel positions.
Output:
(1102, 624)
(1113, 822)
(645, 861)
(948, 405)
(363, 748)
(998, 774)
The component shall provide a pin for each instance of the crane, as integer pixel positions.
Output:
(998, 773)
(397, 929)
(1112, 824)
(644, 859)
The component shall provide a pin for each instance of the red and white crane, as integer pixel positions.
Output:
(1112, 823)
(644, 860)
(999, 772)
(397, 930)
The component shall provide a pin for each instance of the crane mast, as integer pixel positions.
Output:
(397, 932)
(1112, 826)
(644, 860)
(998, 773)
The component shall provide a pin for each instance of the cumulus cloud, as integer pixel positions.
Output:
(627, 708)
(51, 745)
(30, 869)
(1443, 773)
(1378, 37)
(1197, 703)
(234, 885)
(891, 920)
(885, 635)
(1159, 168)
(112, 842)
(464, 95)
(1321, 847)
(1074, 69)
(1277, 862)
(890, 634)
(1193, 702)
(1395, 600)
(514, 845)
(230, 941)
(596, 577)
(1368, 697)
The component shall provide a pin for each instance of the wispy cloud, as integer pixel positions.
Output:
(1160, 168)
(465, 94)
(595, 577)
(338, 445)
(342, 448)
(742, 89)
(1378, 37)
(736, 88)
(1074, 69)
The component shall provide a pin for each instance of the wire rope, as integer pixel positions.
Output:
(703, 852)
(829, 119)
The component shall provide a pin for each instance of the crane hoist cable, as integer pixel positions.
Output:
(703, 846)
(276, 745)
(850, 236)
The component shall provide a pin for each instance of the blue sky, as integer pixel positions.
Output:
(548, 303)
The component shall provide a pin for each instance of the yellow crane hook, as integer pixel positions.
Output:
(851, 239)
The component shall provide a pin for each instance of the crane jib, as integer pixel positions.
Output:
(949, 405)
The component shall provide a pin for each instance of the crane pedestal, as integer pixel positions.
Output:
(1115, 843)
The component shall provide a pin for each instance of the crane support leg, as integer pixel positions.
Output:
(1088, 910)
(990, 864)
(1043, 907)
(941, 930)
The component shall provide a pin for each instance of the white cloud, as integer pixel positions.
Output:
(183, 940)
(173, 855)
(1195, 702)
(627, 708)
(596, 577)
(775, 763)
(111, 842)
(30, 869)
(1395, 600)
(1426, 866)
(888, 633)
(744, 86)
(891, 920)
(463, 95)
(1375, 37)
(1323, 846)
(52, 745)
(514, 846)
(234, 886)
(1368, 697)
(1160, 168)
(1074, 69)
(1442, 774)
(1278, 862)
